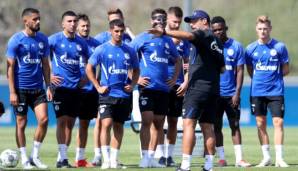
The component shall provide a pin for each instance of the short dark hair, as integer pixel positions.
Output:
(68, 13)
(116, 22)
(158, 11)
(218, 19)
(177, 11)
(115, 11)
(83, 17)
(28, 11)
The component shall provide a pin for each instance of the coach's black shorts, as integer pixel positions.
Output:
(175, 103)
(118, 109)
(88, 105)
(224, 104)
(154, 100)
(66, 102)
(199, 105)
(275, 104)
(29, 97)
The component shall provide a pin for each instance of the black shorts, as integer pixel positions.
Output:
(29, 97)
(199, 105)
(66, 102)
(154, 100)
(175, 103)
(118, 109)
(88, 105)
(224, 104)
(276, 105)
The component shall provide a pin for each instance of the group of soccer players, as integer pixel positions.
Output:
(196, 74)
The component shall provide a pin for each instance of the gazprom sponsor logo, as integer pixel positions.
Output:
(260, 67)
(114, 70)
(154, 58)
(28, 60)
(229, 67)
(64, 60)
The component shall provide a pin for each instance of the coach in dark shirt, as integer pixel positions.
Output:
(203, 86)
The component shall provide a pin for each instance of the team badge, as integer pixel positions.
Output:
(273, 52)
(102, 108)
(167, 45)
(144, 102)
(126, 56)
(57, 107)
(152, 44)
(230, 52)
(20, 109)
(79, 48)
(40, 45)
(256, 54)
(62, 45)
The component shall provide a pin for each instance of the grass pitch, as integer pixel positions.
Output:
(130, 155)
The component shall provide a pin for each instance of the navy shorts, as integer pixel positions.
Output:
(175, 103)
(29, 97)
(118, 109)
(275, 104)
(88, 105)
(199, 105)
(154, 100)
(66, 102)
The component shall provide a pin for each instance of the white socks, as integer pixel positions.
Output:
(23, 154)
(114, 155)
(186, 160)
(220, 152)
(35, 149)
(105, 153)
(279, 152)
(265, 150)
(159, 151)
(151, 154)
(80, 154)
(208, 162)
(145, 154)
(170, 150)
(62, 152)
(238, 152)
(97, 152)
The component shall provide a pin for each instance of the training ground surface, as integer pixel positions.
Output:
(129, 154)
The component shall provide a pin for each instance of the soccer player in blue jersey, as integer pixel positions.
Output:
(67, 49)
(267, 63)
(155, 53)
(105, 36)
(230, 88)
(203, 85)
(165, 151)
(88, 96)
(115, 59)
(27, 66)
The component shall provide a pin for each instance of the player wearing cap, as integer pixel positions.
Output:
(203, 86)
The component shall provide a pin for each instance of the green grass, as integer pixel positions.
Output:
(130, 149)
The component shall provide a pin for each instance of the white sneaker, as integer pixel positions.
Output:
(242, 163)
(27, 165)
(264, 162)
(155, 164)
(117, 165)
(144, 163)
(105, 165)
(281, 163)
(36, 162)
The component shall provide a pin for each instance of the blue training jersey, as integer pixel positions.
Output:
(183, 48)
(114, 61)
(28, 52)
(106, 36)
(65, 56)
(154, 54)
(92, 44)
(233, 56)
(266, 61)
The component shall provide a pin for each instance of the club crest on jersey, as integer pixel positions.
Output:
(126, 56)
(40, 45)
(62, 45)
(273, 52)
(79, 47)
(20, 109)
(57, 107)
(230, 52)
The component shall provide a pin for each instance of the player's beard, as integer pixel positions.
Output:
(35, 29)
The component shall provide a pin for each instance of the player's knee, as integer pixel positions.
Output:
(278, 122)
(43, 121)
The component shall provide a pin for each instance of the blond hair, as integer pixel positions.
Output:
(263, 19)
